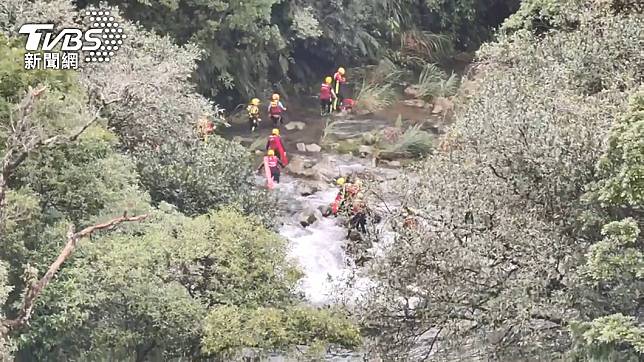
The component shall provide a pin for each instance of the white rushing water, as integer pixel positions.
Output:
(318, 248)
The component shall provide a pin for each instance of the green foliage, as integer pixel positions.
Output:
(14, 79)
(540, 15)
(617, 257)
(373, 97)
(273, 328)
(6, 346)
(495, 254)
(148, 289)
(433, 82)
(75, 182)
(413, 142)
(604, 338)
(305, 25)
(219, 172)
(623, 165)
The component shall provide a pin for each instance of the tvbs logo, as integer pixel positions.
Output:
(72, 39)
(98, 43)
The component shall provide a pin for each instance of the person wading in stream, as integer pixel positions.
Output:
(275, 143)
(327, 95)
(339, 81)
(274, 165)
(275, 109)
(340, 199)
(359, 212)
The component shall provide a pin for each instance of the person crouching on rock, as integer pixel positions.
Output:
(359, 211)
(274, 165)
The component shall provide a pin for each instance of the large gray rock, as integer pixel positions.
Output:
(309, 216)
(442, 106)
(296, 165)
(301, 147)
(393, 163)
(418, 103)
(365, 150)
(313, 148)
(369, 138)
(305, 189)
(345, 129)
(295, 125)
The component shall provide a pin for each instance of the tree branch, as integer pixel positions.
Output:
(15, 154)
(35, 289)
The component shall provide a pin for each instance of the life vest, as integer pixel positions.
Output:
(274, 142)
(275, 109)
(325, 91)
(339, 78)
(272, 161)
(252, 110)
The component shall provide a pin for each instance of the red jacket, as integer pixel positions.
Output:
(339, 78)
(275, 143)
(325, 91)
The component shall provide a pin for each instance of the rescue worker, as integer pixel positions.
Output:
(205, 127)
(275, 109)
(274, 165)
(327, 95)
(253, 114)
(339, 81)
(359, 212)
(341, 198)
(352, 189)
(275, 143)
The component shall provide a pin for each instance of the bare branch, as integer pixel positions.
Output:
(18, 152)
(34, 290)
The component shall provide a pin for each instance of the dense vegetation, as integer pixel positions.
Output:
(523, 240)
(252, 45)
(526, 238)
(192, 258)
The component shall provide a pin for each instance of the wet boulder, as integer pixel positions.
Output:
(313, 148)
(365, 150)
(417, 103)
(296, 165)
(295, 125)
(309, 216)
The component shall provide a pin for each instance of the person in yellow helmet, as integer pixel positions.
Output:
(274, 165)
(359, 214)
(339, 81)
(253, 114)
(275, 109)
(275, 143)
(340, 198)
(327, 95)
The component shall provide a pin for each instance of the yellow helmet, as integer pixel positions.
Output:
(328, 80)
(341, 70)
(276, 131)
(271, 153)
(254, 101)
(275, 97)
(340, 181)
